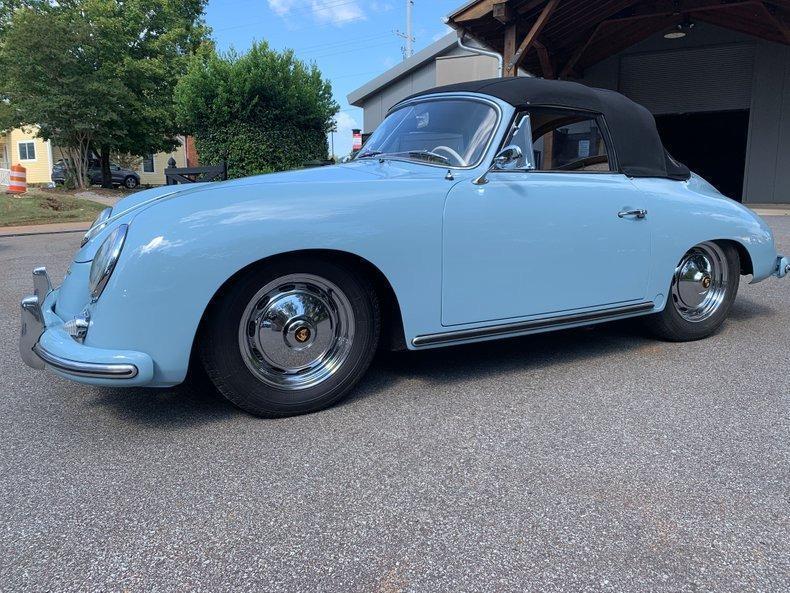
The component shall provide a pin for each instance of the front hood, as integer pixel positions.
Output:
(344, 175)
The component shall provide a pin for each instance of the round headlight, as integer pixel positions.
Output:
(105, 260)
(97, 225)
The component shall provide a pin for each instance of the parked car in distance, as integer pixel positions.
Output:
(478, 211)
(125, 177)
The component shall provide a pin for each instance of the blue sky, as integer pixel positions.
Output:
(351, 41)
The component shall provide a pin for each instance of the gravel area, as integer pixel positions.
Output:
(586, 460)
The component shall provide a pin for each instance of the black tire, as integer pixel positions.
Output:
(221, 351)
(671, 325)
(130, 182)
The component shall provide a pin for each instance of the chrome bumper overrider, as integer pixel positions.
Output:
(782, 267)
(32, 328)
(36, 356)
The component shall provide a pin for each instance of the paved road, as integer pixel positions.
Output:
(590, 460)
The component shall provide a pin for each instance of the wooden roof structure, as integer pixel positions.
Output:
(560, 38)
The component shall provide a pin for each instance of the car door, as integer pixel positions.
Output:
(562, 232)
(118, 175)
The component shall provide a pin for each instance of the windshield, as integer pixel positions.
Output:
(446, 132)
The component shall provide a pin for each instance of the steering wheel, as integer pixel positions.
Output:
(452, 153)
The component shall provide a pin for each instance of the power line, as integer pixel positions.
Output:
(351, 50)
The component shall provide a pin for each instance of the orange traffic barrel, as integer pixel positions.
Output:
(18, 183)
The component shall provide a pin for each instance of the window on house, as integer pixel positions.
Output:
(148, 163)
(568, 141)
(27, 151)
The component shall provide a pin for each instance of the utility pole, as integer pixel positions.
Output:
(409, 33)
(408, 50)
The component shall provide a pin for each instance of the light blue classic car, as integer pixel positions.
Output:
(479, 211)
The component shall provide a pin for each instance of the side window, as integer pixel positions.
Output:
(568, 141)
(520, 136)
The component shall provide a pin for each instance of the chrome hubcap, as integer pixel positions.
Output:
(700, 282)
(296, 331)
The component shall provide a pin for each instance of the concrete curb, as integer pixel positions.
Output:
(44, 229)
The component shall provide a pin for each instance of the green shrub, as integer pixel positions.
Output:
(263, 111)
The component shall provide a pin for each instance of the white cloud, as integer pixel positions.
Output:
(322, 11)
(381, 6)
(343, 136)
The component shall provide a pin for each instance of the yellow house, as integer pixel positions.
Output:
(152, 168)
(21, 147)
(37, 156)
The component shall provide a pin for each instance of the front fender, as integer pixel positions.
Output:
(179, 252)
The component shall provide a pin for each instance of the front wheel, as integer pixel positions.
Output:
(130, 182)
(704, 286)
(291, 337)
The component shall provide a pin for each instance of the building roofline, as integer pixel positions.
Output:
(461, 9)
(437, 48)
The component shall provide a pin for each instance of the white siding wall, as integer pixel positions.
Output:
(461, 66)
(376, 106)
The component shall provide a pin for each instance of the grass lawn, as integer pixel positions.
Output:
(38, 207)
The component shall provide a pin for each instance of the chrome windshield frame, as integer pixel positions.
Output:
(443, 97)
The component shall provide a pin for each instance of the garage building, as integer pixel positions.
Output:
(715, 73)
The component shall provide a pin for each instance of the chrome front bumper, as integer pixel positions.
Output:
(37, 356)
(782, 267)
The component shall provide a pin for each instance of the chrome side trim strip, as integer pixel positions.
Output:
(86, 369)
(527, 326)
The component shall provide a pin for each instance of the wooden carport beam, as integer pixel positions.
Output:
(545, 60)
(510, 50)
(667, 8)
(503, 11)
(514, 61)
(475, 11)
(780, 3)
(580, 52)
(777, 22)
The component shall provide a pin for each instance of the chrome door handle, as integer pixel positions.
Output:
(637, 213)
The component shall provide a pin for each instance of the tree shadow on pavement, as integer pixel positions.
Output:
(745, 309)
(195, 401)
(474, 361)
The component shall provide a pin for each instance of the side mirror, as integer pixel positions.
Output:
(506, 160)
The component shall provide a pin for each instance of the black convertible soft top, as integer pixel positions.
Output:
(640, 152)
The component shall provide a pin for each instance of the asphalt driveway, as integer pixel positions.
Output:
(589, 460)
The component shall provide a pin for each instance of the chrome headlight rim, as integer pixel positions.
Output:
(97, 226)
(105, 260)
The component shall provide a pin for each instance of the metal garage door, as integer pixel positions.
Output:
(690, 80)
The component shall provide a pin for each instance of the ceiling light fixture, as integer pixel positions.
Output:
(680, 30)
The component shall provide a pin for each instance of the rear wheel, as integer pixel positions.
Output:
(291, 337)
(703, 289)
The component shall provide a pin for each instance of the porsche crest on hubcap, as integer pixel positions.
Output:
(700, 282)
(296, 331)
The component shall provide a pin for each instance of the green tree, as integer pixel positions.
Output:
(98, 75)
(262, 111)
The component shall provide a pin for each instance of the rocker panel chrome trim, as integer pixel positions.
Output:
(527, 326)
